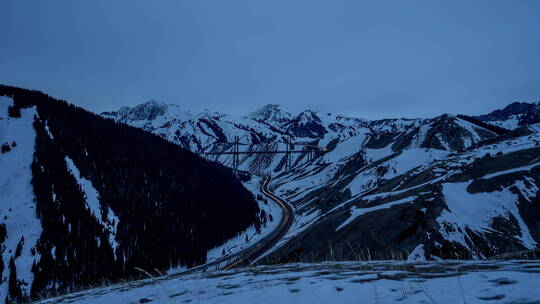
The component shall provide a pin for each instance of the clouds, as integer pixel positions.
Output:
(373, 59)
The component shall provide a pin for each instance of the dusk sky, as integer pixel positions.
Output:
(371, 59)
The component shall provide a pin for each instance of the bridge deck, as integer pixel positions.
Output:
(259, 152)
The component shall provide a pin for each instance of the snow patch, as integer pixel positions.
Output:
(356, 212)
(93, 204)
(524, 168)
(476, 212)
(528, 188)
(17, 201)
(417, 255)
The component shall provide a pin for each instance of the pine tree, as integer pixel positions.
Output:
(5, 148)
(14, 111)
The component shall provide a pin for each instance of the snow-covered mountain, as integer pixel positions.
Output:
(455, 185)
(86, 201)
(271, 114)
(270, 128)
(514, 115)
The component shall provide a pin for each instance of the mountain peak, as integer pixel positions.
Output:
(513, 115)
(147, 111)
(308, 116)
(206, 113)
(154, 102)
(306, 124)
(270, 113)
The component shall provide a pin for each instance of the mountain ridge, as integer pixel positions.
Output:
(405, 164)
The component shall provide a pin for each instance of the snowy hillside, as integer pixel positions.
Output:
(352, 282)
(474, 204)
(79, 206)
(20, 228)
(79, 209)
(514, 115)
(421, 177)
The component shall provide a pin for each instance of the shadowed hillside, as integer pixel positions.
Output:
(108, 198)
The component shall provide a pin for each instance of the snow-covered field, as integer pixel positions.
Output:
(344, 282)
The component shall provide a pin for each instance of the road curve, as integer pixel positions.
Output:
(250, 254)
(269, 241)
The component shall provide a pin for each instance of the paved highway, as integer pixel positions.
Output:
(269, 241)
(247, 256)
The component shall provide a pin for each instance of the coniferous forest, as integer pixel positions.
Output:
(171, 205)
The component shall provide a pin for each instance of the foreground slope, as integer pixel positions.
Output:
(85, 200)
(351, 282)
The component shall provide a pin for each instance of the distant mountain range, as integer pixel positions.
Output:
(452, 186)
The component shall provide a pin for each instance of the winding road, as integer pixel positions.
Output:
(271, 240)
(250, 254)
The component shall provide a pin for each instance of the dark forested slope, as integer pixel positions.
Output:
(158, 205)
